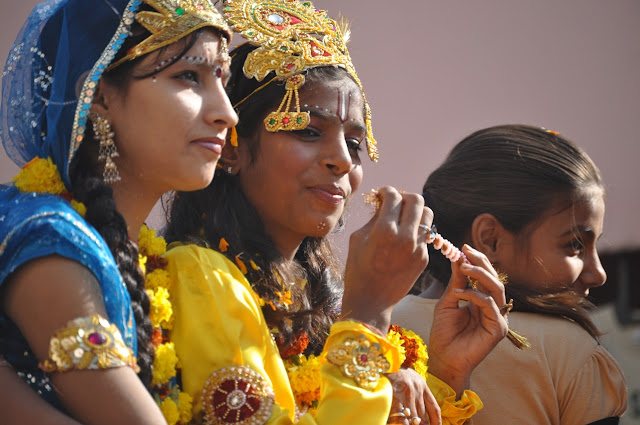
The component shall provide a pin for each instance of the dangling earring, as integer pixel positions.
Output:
(108, 150)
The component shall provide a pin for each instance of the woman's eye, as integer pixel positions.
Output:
(306, 133)
(188, 76)
(576, 246)
(354, 144)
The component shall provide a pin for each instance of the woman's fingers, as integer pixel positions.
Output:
(488, 309)
(390, 207)
(432, 409)
(488, 283)
(479, 269)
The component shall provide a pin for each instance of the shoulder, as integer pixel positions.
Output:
(547, 331)
(37, 225)
(560, 348)
(203, 269)
(183, 257)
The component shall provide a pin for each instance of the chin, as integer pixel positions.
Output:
(196, 183)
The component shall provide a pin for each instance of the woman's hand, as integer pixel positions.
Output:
(410, 391)
(385, 258)
(462, 336)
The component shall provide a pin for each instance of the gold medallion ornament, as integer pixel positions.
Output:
(360, 360)
(173, 20)
(292, 36)
(87, 343)
(237, 395)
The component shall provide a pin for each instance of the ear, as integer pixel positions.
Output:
(234, 157)
(489, 236)
(102, 99)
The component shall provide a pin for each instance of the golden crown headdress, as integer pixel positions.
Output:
(291, 36)
(173, 20)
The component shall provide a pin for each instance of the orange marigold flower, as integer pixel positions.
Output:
(297, 346)
(156, 337)
(155, 262)
(223, 245)
(241, 265)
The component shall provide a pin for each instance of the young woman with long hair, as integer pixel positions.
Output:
(533, 202)
(108, 105)
(257, 293)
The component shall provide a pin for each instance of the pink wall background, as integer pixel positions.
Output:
(435, 71)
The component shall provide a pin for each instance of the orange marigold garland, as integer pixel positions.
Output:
(413, 351)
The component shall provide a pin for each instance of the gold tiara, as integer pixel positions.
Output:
(173, 20)
(292, 36)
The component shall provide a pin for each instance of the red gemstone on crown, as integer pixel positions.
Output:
(285, 120)
(364, 358)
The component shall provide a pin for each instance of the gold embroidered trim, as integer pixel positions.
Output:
(87, 343)
(360, 360)
(237, 395)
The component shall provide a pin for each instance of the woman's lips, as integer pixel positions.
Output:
(214, 145)
(331, 194)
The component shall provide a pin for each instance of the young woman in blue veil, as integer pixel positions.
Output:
(106, 105)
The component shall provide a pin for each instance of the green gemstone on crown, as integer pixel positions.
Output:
(272, 121)
(180, 11)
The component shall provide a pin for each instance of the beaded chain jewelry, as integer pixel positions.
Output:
(454, 254)
(448, 249)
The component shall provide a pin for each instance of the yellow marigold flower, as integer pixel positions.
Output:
(164, 364)
(284, 298)
(149, 243)
(142, 262)
(185, 404)
(421, 367)
(161, 311)
(158, 278)
(79, 207)
(394, 338)
(40, 175)
(305, 379)
(170, 411)
(254, 266)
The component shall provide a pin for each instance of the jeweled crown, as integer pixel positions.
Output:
(173, 20)
(291, 36)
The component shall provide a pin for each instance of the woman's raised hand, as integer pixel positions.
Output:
(385, 258)
(463, 335)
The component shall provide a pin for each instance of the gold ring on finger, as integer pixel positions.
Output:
(505, 309)
(415, 421)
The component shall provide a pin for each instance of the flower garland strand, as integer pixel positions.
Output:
(413, 350)
(176, 406)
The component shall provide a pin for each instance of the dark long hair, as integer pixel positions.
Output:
(102, 213)
(222, 210)
(516, 173)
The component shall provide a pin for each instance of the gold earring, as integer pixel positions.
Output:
(108, 150)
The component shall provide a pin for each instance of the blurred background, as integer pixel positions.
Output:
(435, 71)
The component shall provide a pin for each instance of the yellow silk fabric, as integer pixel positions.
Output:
(219, 323)
(454, 412)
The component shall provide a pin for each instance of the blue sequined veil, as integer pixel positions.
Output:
(48, 85)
